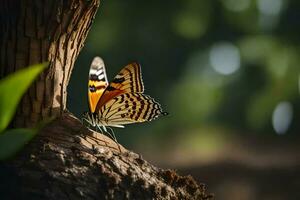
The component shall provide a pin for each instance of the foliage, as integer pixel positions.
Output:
(12, 89)
(185, 51)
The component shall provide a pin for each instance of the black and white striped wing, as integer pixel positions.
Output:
(97, 82)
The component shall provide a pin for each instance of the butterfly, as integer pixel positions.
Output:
(121, 101)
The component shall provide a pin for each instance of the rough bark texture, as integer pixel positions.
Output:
(69, 161)
(35, 31)
(66, 160)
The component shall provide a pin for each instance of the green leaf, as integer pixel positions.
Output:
(13, 140)
(12, 88)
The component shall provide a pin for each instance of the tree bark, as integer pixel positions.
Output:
(66, 160)
(35, 31)
(69, 161)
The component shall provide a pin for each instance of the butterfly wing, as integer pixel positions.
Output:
(128, 80)
(97, 82)
(129, 108)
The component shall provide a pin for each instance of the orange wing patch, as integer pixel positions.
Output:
(97, 82)
(120, 102)
(128, 80)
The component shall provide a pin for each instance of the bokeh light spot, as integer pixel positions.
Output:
(224, 58)
(270, 7)
(282, 117)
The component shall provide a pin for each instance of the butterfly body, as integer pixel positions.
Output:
(120, 102)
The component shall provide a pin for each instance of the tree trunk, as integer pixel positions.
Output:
(35, 31)
(66, 160)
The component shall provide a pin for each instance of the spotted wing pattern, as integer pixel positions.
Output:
(97, 82)
(128, 80)
(129, 108)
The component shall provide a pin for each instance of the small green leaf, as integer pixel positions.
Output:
(13, 140)
(12, 88)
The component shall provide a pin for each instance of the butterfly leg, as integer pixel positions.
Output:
(87, 123)
(84, 121)
(115, 138)
(100, 129)
(113, 134)
(103, 130)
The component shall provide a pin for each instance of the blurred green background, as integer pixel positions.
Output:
(227, 72)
